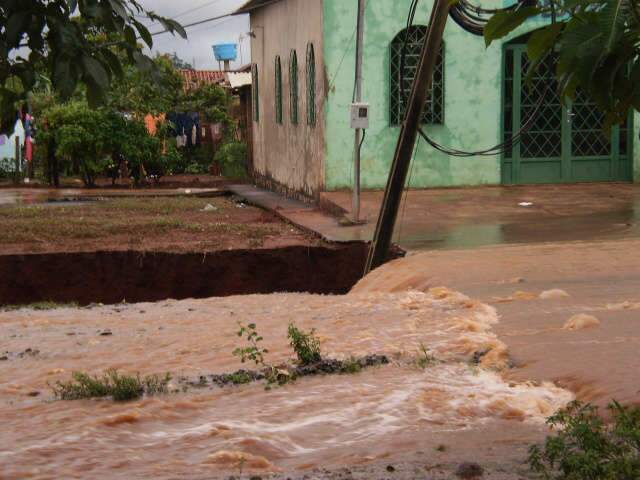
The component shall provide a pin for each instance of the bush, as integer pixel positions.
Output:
(586, 448)
(120, 387)
(305, 345)
(232, 159)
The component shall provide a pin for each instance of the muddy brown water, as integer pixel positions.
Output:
(381, 413)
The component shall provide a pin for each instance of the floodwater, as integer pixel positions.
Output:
(380, 413)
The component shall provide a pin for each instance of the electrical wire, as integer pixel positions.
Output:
(499, 149)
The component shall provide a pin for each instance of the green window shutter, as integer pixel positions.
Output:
(255, 92)
(293, 87)
(311, 85)
(278, 92)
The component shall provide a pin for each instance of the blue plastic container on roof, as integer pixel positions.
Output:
(225, 51)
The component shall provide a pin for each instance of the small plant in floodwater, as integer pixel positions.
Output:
(350, 365)
(305, 345)
(425, 359)
(111, 384)
(253, 351)
(587, 448)
(240, 378)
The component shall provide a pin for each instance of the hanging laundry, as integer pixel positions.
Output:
(8, 150)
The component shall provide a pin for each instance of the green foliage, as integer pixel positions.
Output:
(210, 100)
(142, 91)
(240, 378)
(350, 366)
(305, 345)
(112, 384)
(91, 139)
(425, 358)
(253, 351)
(232, 159)
(586, 448)
(66, 43)
(596, 42)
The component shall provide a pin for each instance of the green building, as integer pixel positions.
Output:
(303, 79)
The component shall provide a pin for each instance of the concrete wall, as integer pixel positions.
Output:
(288, 157)
(473, 93)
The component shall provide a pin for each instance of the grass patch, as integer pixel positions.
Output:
(585, 447)
(425, 358)
(351, 365)
(111, 384)
(47, 305)
(132, 217)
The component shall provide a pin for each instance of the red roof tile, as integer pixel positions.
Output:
(195, 78)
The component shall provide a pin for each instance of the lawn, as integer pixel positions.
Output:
(177, 223)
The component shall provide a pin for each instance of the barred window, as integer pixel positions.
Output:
(293, 87)
(256, 93)
(278, 92)
(311, 85)
(400, 85)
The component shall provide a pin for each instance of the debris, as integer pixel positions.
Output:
(209, 208)
(526, 204)
(469, 470)
(581, 321)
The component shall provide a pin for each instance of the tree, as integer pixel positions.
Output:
(141, 92)
(179, 63)
(597, 43)
(62, 40)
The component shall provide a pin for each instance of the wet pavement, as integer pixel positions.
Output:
(472, 217)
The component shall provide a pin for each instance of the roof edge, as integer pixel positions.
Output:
(251, 5)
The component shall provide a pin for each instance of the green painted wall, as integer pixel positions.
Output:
(473, 93)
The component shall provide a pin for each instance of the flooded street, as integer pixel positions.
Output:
(384, 412)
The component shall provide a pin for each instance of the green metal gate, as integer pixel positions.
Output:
(565, 143)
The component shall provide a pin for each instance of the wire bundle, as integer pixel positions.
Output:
(473, 20)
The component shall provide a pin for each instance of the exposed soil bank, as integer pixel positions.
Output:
(134, 276)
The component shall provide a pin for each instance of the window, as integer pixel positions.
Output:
(401, 87)
(311, 85)
(255, 93)
(278, 92)
(293, 87)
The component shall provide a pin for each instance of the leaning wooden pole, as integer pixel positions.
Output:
(408, 135)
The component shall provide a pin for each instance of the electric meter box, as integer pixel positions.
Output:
(359, 115)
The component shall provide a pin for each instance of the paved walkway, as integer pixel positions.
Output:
(471, 217)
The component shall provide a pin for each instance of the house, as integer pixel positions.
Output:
(303, 56)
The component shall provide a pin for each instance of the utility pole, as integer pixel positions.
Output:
(355, 208)
(407, 138)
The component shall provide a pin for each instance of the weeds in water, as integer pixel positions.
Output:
(240, 378)
(112, 384)
(425, 359)
(586, 448)
(253, 351)
(350, 365)
(305, 345)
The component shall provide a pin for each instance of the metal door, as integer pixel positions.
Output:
(565, 143)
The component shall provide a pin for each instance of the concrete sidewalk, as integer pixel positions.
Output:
(471, 217)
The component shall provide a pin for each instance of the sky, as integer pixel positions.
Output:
(197, 50)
